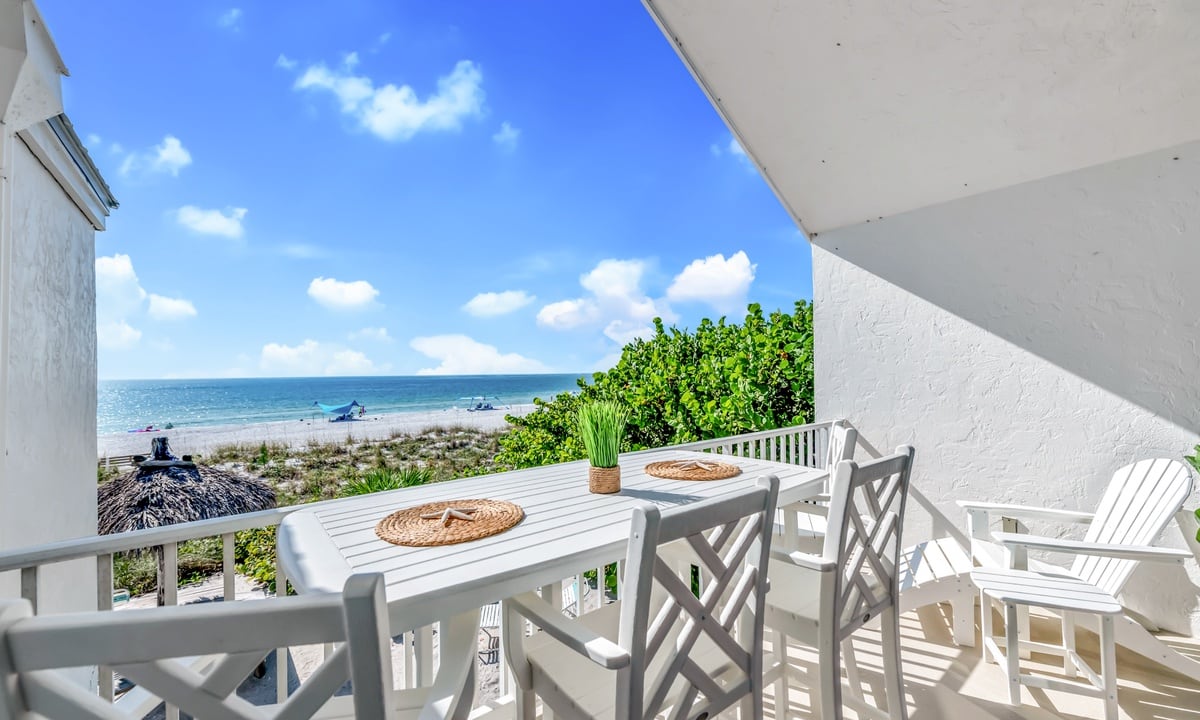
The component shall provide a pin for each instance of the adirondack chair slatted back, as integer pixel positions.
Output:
(662, 620)
(144, 645)
(1139, 502)
(843, 440)
(866, 517)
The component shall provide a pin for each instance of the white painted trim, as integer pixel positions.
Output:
(7, 142)
(57, 159)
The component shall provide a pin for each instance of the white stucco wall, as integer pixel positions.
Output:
(1027, 341)
(48, 486)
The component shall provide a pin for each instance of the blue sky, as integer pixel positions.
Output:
(398, 188)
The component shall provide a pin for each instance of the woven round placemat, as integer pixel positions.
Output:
(692, 470)
(488, 517)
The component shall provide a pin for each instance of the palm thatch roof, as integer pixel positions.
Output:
(165, 490)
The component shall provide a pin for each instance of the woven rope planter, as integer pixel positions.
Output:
(488, 517)
(692, 470)
(604, 481)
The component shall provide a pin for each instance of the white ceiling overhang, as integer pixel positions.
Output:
(856, 110)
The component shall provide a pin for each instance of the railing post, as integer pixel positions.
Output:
(281, 654)
(227, 567)
(104, 601)
(29, 586)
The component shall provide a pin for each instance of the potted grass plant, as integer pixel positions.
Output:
(602, 425)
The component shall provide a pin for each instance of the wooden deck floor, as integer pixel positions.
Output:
(945, 682)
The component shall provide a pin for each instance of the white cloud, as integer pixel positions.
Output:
(117, 335)
(507, 136)
(568, 314)
(617, 301)
(491, 304)
(735, 148)
(379, 334)
(283, 61)
(460, 355)
(231, 18)
(721, 283)
(342, 295)
(165, 308)
(397, 113)
(93, 140)
(302, 251)
(165, 158)
(311, 358)
(212, 222)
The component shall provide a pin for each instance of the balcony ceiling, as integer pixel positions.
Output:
(860, 110)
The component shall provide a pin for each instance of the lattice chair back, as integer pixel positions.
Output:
(697, 654)
(146, 646)
(1138, 503)
(866, 518)
(843, 440)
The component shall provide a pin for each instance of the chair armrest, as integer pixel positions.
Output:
(571, 633)
(807, 561)
(1077, 547)
(1024, 511)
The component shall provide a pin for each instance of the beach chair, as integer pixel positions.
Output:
(1139, 502)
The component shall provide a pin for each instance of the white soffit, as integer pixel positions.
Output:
(856, 110)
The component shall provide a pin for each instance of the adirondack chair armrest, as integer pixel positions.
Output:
(1025, 511)
(571, 633)
(1077, 547)
(816, 563)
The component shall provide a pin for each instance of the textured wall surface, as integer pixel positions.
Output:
(1028, 341)
(49, 490)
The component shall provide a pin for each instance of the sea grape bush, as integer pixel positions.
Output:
(1195, 461)
(720, 379)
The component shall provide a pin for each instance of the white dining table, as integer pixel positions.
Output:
(566, 529)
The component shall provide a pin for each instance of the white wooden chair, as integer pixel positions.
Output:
(660, 648)
(145, 645)
(1139, 502)
(821, 600)
(811, 516)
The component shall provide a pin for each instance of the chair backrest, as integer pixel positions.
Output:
(843, 440)
(1138, 503)
(662, 618)
(866, 518)
(146, 645)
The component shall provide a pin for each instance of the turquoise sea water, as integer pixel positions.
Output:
(129, 404)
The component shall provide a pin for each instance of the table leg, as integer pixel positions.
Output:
(453, 690)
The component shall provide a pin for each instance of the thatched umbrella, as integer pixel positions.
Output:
(165, 490)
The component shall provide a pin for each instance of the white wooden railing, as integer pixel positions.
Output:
(799, 445)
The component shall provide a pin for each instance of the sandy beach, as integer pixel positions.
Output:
(298, 433)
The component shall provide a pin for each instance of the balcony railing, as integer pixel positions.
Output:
(800, 445)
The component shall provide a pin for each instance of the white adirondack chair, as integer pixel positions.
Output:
(660, 648)
(145, 646)
(821, 600)
(1138, 504)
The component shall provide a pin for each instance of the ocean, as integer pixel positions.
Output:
(130, 404)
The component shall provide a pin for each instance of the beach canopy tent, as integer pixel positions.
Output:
(338, 409)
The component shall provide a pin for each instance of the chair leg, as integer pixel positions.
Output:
(1023, 630)
(985, 625)
(1012, 653)
(893, 671)
(1068, 640)
(526, 704)
(850, 661)
(829, 673)
(781, 682)
(1108, 666)
(962, 611)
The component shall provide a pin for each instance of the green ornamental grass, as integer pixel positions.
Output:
(602, 425)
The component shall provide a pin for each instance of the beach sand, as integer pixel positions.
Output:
(299, 433)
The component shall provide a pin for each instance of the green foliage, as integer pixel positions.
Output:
(380, 479)
(104, 474)
(602, 425)
(1194, 459)
(679, 386)
(254, 554)
(138, 572)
